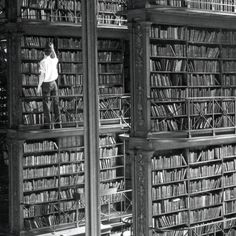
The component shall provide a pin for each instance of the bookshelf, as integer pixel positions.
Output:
(113, 92)
(191, 86)
(52, 186)
(51, 10)
(51, 168)
(115, 188)
(182, 135)
(111, 13)
(70, 82)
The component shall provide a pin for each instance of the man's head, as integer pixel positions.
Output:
(47, 51)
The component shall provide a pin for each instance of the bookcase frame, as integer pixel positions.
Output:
(15, 29)
(144, 143)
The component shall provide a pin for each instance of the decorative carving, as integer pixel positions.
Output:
(140, 193)
(139, 68)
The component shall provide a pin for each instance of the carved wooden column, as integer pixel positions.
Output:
(14, 80)
(16, 188)
(141, 192)
(139, 78)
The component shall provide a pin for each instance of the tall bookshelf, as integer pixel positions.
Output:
(183, 121)
(52, 166)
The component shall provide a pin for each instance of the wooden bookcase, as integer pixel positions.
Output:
(183, 121)
(52, 170)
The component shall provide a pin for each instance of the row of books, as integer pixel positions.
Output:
(230, 193)
(203, 35)
(169, 124)
(165, 80)
(45, 145)
(40, 172)
(72, 168)
(31, 54)
(59, 15)
(110, 68)
(33, 119)
(70, 56)
(176, 50)
(70, 80)
(172, 3)
(120, 184)
(169, 191)
(203, 51)
(205, 66)
(229, 165)
(205, 185)
(168, 161)
(108, 152)
(230, 207)
(52, 220)
(173, 93)
(110, 79)
(72, 104)
(216, 5)
(35, 41)
(38, 210)
(229, 179)
(108, 163)
(40, 184)
(193, 34)
(166, 176)
(169, 205)
(73, 156)
(32, 68)
(206, 200)
(110, 56)
(169, 65)
(113, 198)
(75, 68)
(72, 118)
(179, 218)
(108, 174)
(168, 80)
(30, 79)
(172, 109)
(53, 182)
(109, 44)
(32, 106)
(37, 160)
(111, 90)
(71, 141)
(205, 214)
(41, 197)
(38, 4)
(72, 180)
(68, 194)
(69, 43)
(111, 6)
(167, 32)
(111, 19)
(107, 140)
(78, 90)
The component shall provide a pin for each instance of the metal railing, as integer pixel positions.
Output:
(195, 115)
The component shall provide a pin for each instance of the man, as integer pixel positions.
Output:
(47, 81)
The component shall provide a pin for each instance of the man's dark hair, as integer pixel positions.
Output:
(47, 51)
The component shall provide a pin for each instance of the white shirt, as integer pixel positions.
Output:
(48, 67)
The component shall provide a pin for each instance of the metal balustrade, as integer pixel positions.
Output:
(115, 109)
(195, 115)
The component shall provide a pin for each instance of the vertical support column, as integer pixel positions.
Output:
(89, 38)
(139, 57)
(15, 152)
(14, 80)
(142, 207)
